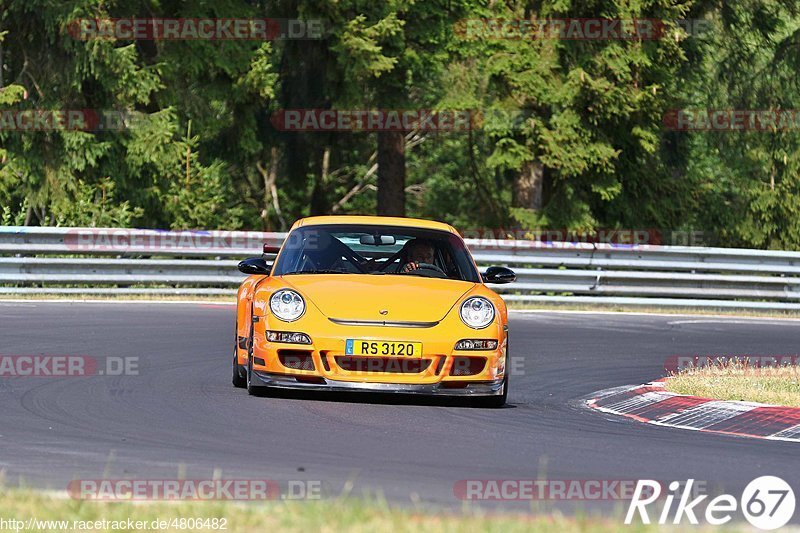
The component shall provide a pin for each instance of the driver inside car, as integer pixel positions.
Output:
(419, 255)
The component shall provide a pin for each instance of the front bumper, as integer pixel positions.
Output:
(285, 381)
(323, 364)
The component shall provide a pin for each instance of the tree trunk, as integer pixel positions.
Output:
(271, 189)
(319, 201)
(303, 86)
(391, 173)
(528, 186)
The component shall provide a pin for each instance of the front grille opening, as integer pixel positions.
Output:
(440, 365)
(324, 357)
(387, 365)
(296, 359)
(467, 366)
(311, 379)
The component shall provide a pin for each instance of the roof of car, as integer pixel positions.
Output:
(372, 220)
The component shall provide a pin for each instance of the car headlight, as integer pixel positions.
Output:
(287, 305)
(477, 312)
(476, 344)
(289, 337)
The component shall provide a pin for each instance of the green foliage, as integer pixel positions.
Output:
(359, 49)
(94, 206)
(746, 183)
(198, 150)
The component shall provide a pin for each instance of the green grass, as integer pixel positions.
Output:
(325, 515)
(737, 381)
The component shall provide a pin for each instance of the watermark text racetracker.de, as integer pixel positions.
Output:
(124, 240)
(195, 29)
(578, 29)
(548, 489)
(402, 120)
(501, 238)
(196, 489)
(371, 120)
(732, 120)
(64, 365)
(94, 120)
(123, 524)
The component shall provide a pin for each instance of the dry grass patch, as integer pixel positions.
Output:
(351, 515)
(736, 380)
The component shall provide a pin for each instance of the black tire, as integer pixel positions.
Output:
(251, 390)
(239, 381)
(493, 402)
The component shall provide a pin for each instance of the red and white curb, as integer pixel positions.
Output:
(651, 404)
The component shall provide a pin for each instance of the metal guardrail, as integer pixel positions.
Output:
(36, 260)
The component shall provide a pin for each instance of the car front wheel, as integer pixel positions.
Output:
(493, 402)
(238, 380)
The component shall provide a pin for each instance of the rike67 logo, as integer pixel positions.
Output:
(767, 503)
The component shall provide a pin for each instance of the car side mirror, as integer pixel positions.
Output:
(498, 274)
(255, 265)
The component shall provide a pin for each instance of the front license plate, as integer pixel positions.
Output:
(383, 348)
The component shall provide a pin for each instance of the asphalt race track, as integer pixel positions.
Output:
(181, 416)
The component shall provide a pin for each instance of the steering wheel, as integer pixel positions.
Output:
(426, 266)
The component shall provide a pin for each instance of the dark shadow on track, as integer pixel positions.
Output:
(375, 398)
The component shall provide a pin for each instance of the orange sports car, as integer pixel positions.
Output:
(378, 304)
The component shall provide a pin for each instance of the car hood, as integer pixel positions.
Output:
(363, 297)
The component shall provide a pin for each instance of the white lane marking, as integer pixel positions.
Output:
(792, 433)
(721, 318)
(738, 320)
(696, 418)
(21, 303)
(707, 414)
(637, 402)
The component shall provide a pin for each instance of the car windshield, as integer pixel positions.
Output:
(376, 250)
